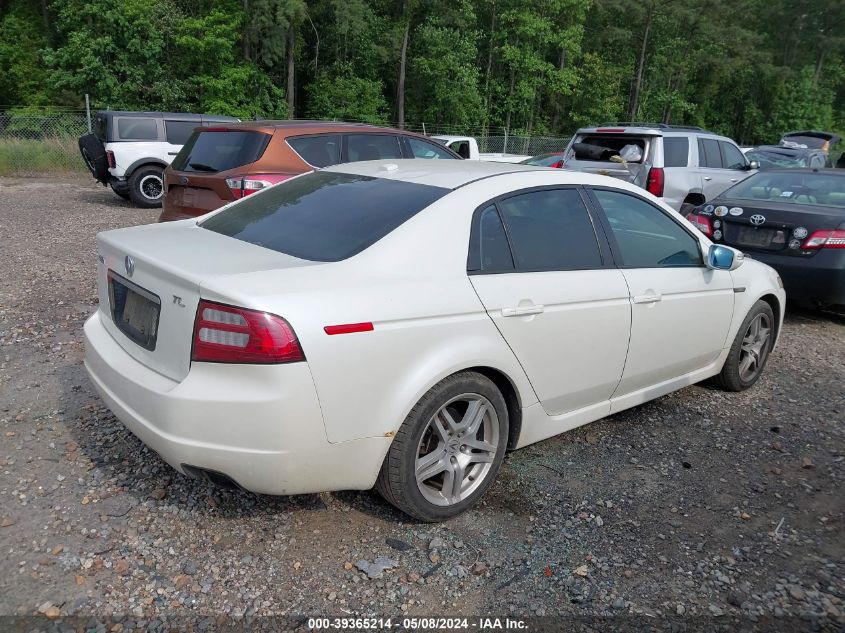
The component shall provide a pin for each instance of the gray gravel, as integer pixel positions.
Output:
(701, 503)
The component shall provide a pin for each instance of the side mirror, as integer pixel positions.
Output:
(754, 165)
(721, 257)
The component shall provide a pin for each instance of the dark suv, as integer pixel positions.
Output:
(222, 163)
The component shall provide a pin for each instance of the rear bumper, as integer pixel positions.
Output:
(816, 279)
(259, 425)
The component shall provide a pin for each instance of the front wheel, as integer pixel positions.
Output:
(750, 349)
(146, 186)
(448, 450)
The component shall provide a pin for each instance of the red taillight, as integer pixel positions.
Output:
(242, 186)
(110, 159)
(701, 223)
(226, 334)
(557, 165)
(610, 129)
(828, 238)
(654, 184)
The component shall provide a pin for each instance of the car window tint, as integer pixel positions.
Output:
(461, 148)
(323, 216)
(646, 236)
(320, 151)
(733, 156)
(550, 230)
(218, 150)
(675, 151)
(709, 154)
(424, 149)
(178, 132)
(137, 129)
(489, 249)
(372, 147)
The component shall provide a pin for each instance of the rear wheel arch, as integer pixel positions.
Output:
(512, 399)
(695, 198)
(144, 162)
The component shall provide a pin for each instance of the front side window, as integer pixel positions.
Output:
(424, 149)
(372, 147)
(137, 129)
(319, 151)
(646, 236)
(550, 230)
(324, 216)
(733, 156)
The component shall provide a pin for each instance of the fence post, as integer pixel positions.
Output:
(88, 112)
(424, 134)
(505, 149)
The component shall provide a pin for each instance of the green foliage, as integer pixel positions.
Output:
(752, 69)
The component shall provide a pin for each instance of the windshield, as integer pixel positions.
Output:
(776, 159)
(804, 188)
(218, 150)
(543, 160)
(324, 216)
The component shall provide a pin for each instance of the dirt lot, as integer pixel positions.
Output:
(700, 506)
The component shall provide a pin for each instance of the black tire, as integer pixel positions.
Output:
(397, 481)
(94, 154)
(120, 192)
(143, 182)
(732, 378)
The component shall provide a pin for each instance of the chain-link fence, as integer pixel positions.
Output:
(39, 141)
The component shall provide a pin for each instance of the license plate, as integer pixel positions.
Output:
(135, 310)
(763, 238)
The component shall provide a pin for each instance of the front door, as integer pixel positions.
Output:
(548, 283)
(681, 310)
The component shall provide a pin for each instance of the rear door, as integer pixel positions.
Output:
(544, 275)
(681, 310)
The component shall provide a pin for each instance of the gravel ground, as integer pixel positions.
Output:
(701, 506)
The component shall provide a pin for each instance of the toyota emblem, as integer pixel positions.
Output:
(757, 219)
(129, 265)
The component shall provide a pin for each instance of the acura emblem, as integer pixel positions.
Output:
(129, 265)
(757, 219)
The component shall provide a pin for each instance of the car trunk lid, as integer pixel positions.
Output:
(149, 280)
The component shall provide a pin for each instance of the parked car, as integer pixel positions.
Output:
(811, 139)
(228, 162)
(467, 148)
(683, 165)
(553, 159)
(129, 150)
(791, 219)
(401, 324)
(777, 156)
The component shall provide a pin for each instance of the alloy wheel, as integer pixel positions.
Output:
(151, 187)
(755, 347)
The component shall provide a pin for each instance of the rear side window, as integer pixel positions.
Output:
(733, 156)
(212, 151)
(319, 151)
(709, 154)
(178, 132)
(550, 230)
(647, 237)
(324, 216)
(372, 147)
(675, 151)
(99, 126)
(137, 129)
(489, 249)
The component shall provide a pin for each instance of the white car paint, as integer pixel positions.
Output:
(327, 423)
(471, 151)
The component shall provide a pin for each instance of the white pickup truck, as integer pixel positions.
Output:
(467, 147)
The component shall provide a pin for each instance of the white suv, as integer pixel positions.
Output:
(685, 166)
(130, 150)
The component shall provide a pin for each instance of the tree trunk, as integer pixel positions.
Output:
(510, 97)
(558, 106)
(489, 67)
(245, 31)
(638, 81)
(45, 15)
(291, 71)
(819, 65)
(400, 85)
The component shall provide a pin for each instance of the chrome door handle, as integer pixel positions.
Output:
(708, 178)
(649, 298)
(522, 311)
(734, 179)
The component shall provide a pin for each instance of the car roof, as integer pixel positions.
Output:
(447, 174)
(184, 116)
(652, 129)
(314, 127)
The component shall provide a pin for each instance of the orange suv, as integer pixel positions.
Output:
(226, 162)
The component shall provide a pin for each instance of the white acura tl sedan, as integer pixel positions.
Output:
(402, 324)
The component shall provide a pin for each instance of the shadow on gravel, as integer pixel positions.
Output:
(795, 313)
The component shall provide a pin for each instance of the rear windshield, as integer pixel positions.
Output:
(324, 216)
(603, 147)
(212, 151)
(776, 159)
(800, 188)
